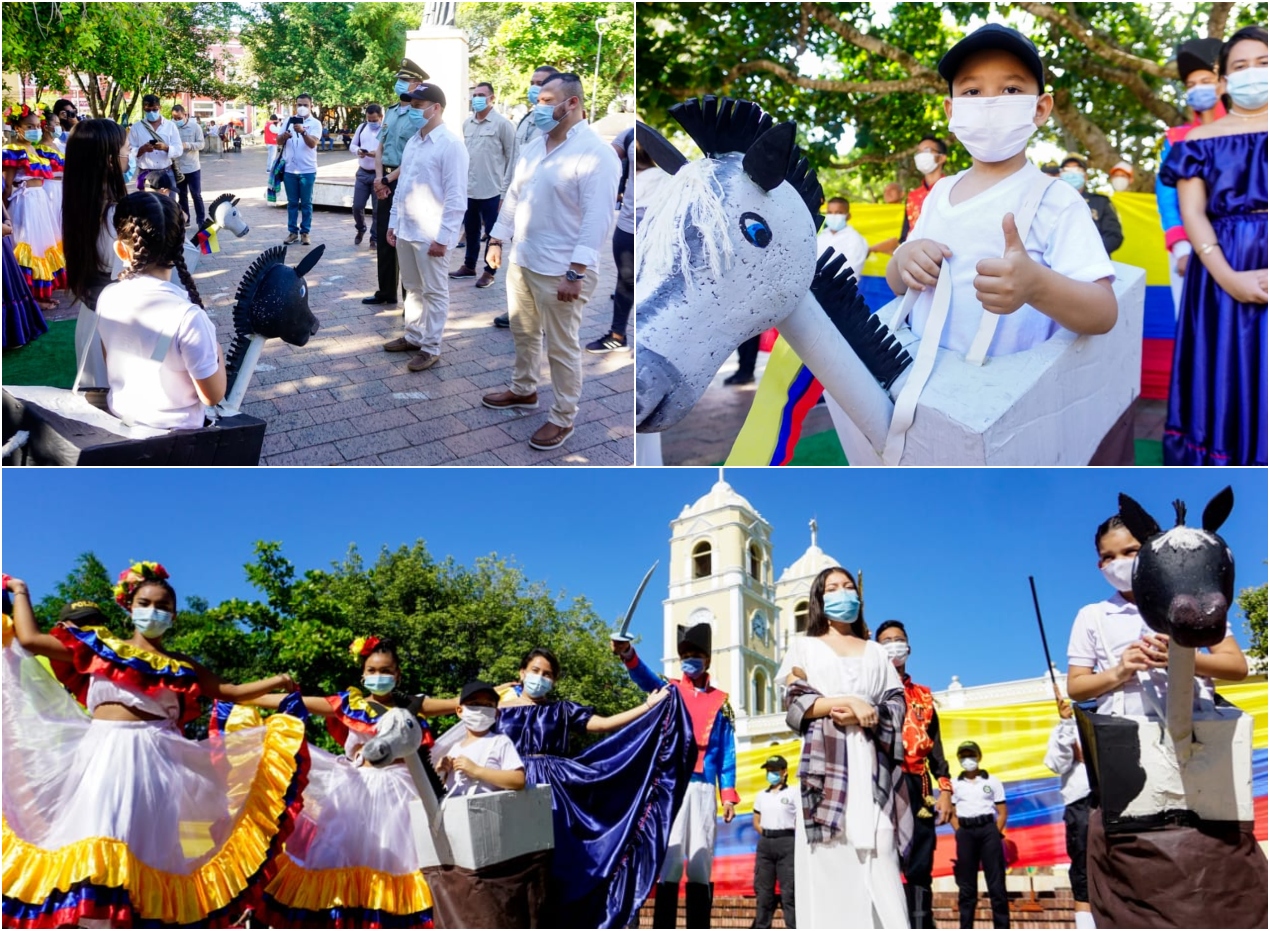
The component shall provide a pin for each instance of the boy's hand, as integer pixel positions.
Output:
(467, 767)
(919, 262)
(1004, 285)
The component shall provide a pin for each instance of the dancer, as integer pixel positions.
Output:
(352, 862)
(52, 148)
(846, 699)
(112, 815)
(37, 244)
(23, 321)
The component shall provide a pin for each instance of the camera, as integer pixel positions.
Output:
(296, 121)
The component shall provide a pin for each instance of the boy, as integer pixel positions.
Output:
(481, 762)
(1056, 273)
(979, 814)
(1064, 757)
(839, 235)
(692, 834)
(775, 809)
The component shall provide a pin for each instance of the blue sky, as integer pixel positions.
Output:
(948, 551)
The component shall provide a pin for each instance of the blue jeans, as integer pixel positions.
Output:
(299, 200)
(479, 211)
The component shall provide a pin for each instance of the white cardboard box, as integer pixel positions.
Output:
(481, 830)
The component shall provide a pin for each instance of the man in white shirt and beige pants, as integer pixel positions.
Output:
(566, 181)
(427, 213)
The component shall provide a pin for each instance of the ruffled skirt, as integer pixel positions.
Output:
(23, 320)
(37, 241)
(128, 822)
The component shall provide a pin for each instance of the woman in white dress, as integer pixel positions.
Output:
(844, 696)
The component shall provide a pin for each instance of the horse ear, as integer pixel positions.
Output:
(664, 155)
(416, 704)
(1217, 510)
(235, 201)
(768, 159)
(309, 261)
(1139, 523)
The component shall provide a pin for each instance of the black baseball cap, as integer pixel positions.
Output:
(1073, 157)
(969, 746)
(993, 36)
(429, 92)
(477, 687)
(78, 611)
(775, 762)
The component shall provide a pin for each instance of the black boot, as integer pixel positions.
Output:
(666, 906)
(698, 905)
(920, 912)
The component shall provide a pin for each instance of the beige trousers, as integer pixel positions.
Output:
(427, 283)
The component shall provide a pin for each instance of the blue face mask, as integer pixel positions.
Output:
(1201, 97)
(401, 87)
(153, 116)
(773, 777)
(534, 91)
(1247, 88)
(33, 135)
(151, 621)
(537, 686)
(1075, 178)
(544, 117)
(416, 116)
(693, 666)
(835, 222)
(379, 683)
(842, 605)
(479, 104)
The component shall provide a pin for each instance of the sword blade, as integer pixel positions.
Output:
(624, 627)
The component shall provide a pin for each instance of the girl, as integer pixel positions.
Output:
(846, 699)
(143, 309)
(51, 148)
(1217, 398)
(23, 321)
(111, 814)
(38, 246)
(352, 862)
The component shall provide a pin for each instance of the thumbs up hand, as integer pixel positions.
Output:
(1004, 285)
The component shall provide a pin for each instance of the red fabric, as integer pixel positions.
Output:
(767, 339)
(1157, 368)
(271, 135)
(703, 706)
(913, 204)
(917, 718)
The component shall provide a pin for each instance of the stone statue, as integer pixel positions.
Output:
(439, 14)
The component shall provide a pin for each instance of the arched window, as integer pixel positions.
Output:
(701, 560)
(800, 618)
(759, 703)
(756, 563)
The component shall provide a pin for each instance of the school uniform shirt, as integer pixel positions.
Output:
(495, 751)
(846, 241)
(155, 159)
(1062, 237)
(1100, 634)
(301, 159)
(1063, 756)
(367, 137)
(131, 316)
(491, 148)
(973, 798)
(431, 193)
(777, 809)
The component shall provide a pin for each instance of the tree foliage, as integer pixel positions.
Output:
(1252, 602)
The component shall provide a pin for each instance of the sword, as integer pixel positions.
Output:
(621, 635)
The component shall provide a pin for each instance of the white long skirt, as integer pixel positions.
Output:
(836, 886)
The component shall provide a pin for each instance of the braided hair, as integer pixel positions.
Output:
(151, 224)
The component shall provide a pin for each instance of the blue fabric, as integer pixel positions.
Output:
(299, 200)
(612, 805)
(1217, 398)
(23, 321)
(1166, 194)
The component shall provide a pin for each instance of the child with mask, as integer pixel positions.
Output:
(775, 809)
(482, 761)
(979, 813)
(1012, 243)
(838, 234)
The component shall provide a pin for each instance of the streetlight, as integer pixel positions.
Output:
(595, 82)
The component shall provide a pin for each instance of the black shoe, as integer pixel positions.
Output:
(376, 299)
(739, 378)
(357, 240)
(503, 321)
(608, 343)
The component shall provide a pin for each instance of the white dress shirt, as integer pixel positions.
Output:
(560, 206)
(138, 136)
(301, 157)
(431, 193)
(1060, 757)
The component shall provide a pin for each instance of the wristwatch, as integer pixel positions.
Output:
(571, 275)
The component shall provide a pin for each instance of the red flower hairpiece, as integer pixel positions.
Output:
(363, 646)
(134, 577)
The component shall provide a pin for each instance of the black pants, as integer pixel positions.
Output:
(747, 354)
(774, 859)
(624, 296)
(480, 212)
(1076, 818)
(920, 862)
(385, 255)
(976, 845)
(193, 187)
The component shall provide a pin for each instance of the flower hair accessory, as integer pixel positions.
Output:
(15, 114)
(363, 646)
(134, 577)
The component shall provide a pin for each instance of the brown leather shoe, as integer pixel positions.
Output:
(502, 400)
(422, 360)
(485, 280)
(549, 436)
(399, 345)
(463, 272)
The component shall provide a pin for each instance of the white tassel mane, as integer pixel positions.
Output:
(691, 200)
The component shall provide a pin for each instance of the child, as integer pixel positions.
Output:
(979, 814)
(481, 762)
(143, 309)
(775, 809)
(1064, 757)
(1057, 274)
(839, 235)
(36, 231)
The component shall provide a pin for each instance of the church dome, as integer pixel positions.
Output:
(721, 495)
(810, 563)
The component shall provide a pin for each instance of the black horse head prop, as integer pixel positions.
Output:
(272, 301)
(1184, 577)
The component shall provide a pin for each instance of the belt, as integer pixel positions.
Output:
(767, 833)
(976, 821)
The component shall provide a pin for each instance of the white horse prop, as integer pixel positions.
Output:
(727, 249)
(222, 214)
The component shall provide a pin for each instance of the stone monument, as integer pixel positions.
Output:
(440, 48)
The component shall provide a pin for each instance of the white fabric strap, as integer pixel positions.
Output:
(83, 359)
(919, 374)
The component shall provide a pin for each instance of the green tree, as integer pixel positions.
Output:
(1252, 602)
(88, 580)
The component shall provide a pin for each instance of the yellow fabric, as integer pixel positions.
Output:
(757, 440)
(877, 223)
(127, 651)
(30, 874)
(1143, 244)
(6, 630)
(43, 268)
(353, 887)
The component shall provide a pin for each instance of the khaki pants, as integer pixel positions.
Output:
(535, 313)
(426, 280)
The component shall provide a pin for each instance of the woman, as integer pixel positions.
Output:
(50, 147)
(1217, 398)
(111, 815)
(37, 240)
(612, 804)
(352, 862)
(846, 699)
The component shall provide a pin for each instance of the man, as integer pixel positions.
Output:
(299, 138)
(839, 235)
(1064, 757)
(399, 124)
(692, 834)
(191, 185)
(424, 223)
(155, 139)
(775, 811)
(364, 143)
(271, 141)
(925, 769)
(566, 181)
(67, 116)
(929, 159)
(1073, 170)
(491, 146)
(892, 193)
(527, 132)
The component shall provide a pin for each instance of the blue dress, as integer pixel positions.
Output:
(1217, 397)
(612, 804)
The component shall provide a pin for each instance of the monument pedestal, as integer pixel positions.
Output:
(442, 52)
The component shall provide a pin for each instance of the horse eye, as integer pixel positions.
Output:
(756, 230)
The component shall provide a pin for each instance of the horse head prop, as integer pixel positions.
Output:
(398, 736)
(223, 213)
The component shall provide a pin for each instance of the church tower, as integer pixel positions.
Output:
(721, 575)
(793, 591)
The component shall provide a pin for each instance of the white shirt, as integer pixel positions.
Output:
(131, 316)
(973, 798)
(846, 241)
(162, 703)
(1062, 237)
(168, 132)
(367, 137)
(1060, 757)
(431, 193)
(777, 808)
(559, 208)
(301, 158)
(495, 751)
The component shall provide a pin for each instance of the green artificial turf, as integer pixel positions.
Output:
(47, 360)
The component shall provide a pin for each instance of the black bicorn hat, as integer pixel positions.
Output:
(1197, 55)
(698, 636)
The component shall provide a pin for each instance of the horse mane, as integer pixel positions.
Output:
(834, 288)
(221, 199)
(243, 300)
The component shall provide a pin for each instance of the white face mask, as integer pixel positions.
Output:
(1120, 183)
(969, 764)
(994, 128)
(1119, 574)
(301, 111)
(478, 718)
(925, 162)
(897, 650)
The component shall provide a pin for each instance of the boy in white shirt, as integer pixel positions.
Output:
(1060, 276)
(481, 762)
(838, 234)
(1063, 756)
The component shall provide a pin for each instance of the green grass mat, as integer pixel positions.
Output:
(48, 360)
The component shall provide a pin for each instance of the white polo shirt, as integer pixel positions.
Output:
(155, 159)
(301, 159)
(431, 193)
(973, 798)
(1060, 757)
(777, 808)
